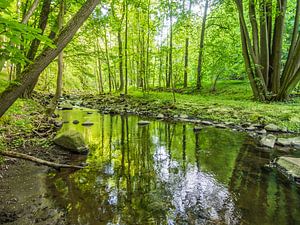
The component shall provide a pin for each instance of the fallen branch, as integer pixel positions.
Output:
(37, 160)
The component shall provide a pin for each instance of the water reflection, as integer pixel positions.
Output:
(165, 173)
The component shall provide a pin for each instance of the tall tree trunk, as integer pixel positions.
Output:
(171, 45)
(60, 60)
(187, 41)
(108, 62)
(121, 88)
(99, 66)
(126, 47)
(30, 11)
(200, 58)
(36, 43)
(32, 72)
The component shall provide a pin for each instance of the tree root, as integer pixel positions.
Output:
(37, 160)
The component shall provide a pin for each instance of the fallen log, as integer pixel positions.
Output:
(37, 160)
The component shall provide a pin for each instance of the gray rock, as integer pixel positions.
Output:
(284, 141)
(143, 122)
(290, 165)
(87, 123)
(160, 116)
(251, 128)
(71, 140)
(66, 106)
(197, 128)
(184, 116)
(268, 141)
(75, 122)
(219, 125)
(208, 123)
(272, 128)
(58, 124)
(263, 131)
(296, 143)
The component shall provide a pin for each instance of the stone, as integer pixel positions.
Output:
(268, 141)
(89, 113)
(184, 116)
(71, 140)
(207, 123)
(75, 122)
(87, 123)
(290, 164)
(143, 122)
(197, 128)
(58, 124)
(160, 116)
(272, 128)
(263, 131)
(284, 141)
(219, 125)
(251, 128)
(66, 106)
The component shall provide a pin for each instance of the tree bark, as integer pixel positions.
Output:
(38, 161)
(32, 72)
(30, 11)
(200, 58)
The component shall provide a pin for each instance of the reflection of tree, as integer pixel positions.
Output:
(184, 147)
(264, 197)
(197, 149)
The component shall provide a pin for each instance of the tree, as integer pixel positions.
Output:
(32, 72)
(272, 75)
(200, 57)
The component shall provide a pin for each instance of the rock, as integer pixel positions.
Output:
(58, 124)
(160, 116)
(143, 122)
(219, 125)
(288, 141)
(272, 128)
(284, 141)
(263, 131)
(65, 121)
(229, 123)
(290, 165)
(251, 128)
(197, 129)
(89, 113)
(75, 122)
(268, 141)
(72, 140)
(284, 129)
(207, 123)
(66, 106)
(184, 116)
(87, 123)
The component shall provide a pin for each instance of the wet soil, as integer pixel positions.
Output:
(23, 190)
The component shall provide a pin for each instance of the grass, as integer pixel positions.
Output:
(232, 102)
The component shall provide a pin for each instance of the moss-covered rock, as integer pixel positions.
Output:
(71, 140)
(290, 165)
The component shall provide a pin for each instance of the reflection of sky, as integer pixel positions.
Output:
(193, 192)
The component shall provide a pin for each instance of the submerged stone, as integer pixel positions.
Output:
(66, 106)
(75, 122)
(143, 122)
(291, 165)
(87, 123)
(268, 141)
(160, 116)
(71, 140)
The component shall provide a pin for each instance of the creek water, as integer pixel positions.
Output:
(165, 173)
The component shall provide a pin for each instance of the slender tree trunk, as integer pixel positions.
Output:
(200, 58)
(187, 41)
(32, 72)
(30, 11)
(171, 45)
(99, 66)
(120, 43)
(126, 47)
(36, 43)
(60, 60)
(108, 62)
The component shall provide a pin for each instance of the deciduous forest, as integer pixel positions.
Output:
(105, 92)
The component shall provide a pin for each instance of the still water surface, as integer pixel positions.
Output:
(165, 173)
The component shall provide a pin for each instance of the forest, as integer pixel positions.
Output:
(173, 79)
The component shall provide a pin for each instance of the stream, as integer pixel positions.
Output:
(166, 173)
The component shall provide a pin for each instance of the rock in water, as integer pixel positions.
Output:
(71, 140)
(291, 165)
(75, 121)
(87, 123)
(66, 106)
(160, 116)
(268, 141)
(272, 128)
(143, 122)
